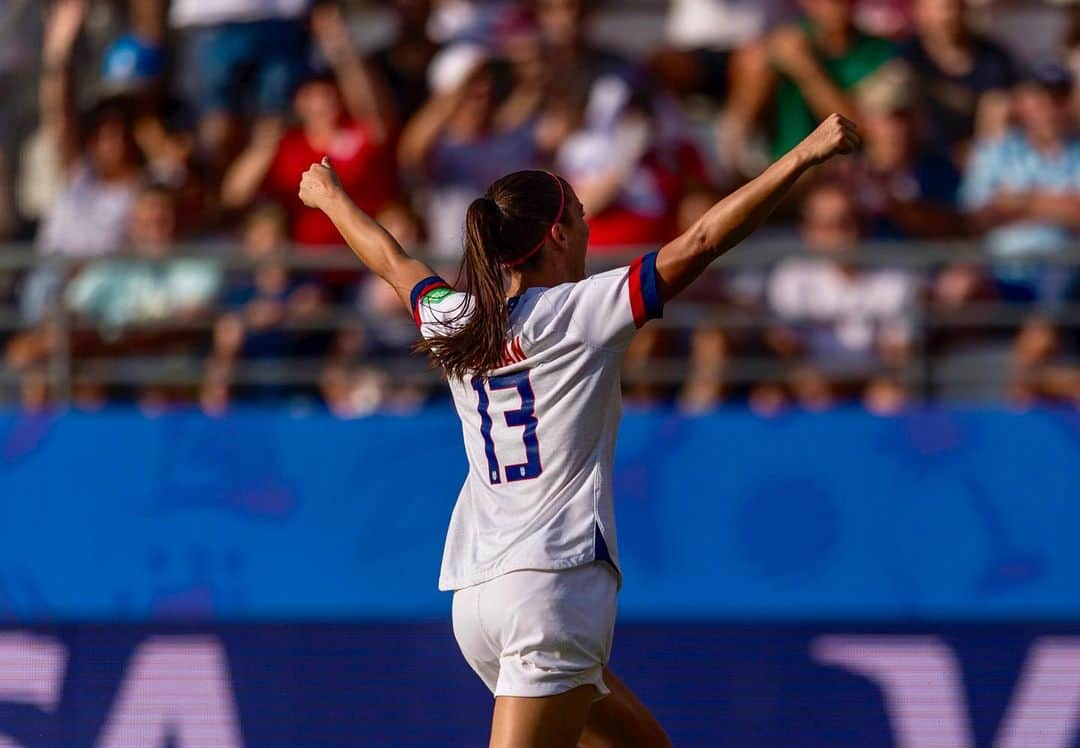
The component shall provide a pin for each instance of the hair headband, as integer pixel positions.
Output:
(543, 239)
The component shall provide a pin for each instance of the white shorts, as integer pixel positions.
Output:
(539, 633)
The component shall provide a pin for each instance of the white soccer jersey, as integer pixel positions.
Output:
(540, 430)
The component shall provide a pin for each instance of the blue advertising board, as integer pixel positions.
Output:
(405, 686)
(267, 515)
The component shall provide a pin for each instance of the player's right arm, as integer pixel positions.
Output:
(374, 245)
(735, 217)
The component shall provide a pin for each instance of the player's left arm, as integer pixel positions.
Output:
(731, 220)
(374, 245)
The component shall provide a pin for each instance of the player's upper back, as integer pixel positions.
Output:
(556, 335)
(539, 431)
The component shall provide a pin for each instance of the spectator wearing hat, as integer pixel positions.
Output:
(713, 49)
(1023, 189)
(133, 71)
(964, 78)
(904, 190)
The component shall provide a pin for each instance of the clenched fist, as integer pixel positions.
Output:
(835, 136)
(319, 185)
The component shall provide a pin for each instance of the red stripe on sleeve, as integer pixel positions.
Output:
(637, 300)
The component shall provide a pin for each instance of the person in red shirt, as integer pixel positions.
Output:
(342, 114)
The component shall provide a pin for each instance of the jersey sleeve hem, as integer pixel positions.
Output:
(645, 302)
(422, 289)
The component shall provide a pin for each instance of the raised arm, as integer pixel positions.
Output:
(364, 98)
(376, 248)
(63, 24)
(791, 54)
(247, 172)
(735, 217)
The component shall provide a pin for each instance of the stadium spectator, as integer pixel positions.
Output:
(1023, 189)
(713, 50)
(237, 58)
(403, 63)
(904, 190)
(455, 143)
(703, 39)
(164, 128)
(85, 170)
(818, 62)
(629, 173)
(266, 308)
(342, 115)
(844, 330)
(576, 62)
(964, 78)
(115, 294)
(119, 305)
(99, 166)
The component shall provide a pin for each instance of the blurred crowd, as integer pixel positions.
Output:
(132, 127)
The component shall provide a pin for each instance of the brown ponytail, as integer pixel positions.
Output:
(500, 228)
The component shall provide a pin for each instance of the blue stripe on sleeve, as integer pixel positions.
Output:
(654, 307)
(432, 281)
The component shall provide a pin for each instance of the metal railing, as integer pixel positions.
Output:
(989, 326)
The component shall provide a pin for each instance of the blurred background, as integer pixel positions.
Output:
(847, 477)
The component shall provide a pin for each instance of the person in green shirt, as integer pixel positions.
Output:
(816, 63)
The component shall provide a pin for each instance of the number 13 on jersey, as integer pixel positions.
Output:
(523, 417)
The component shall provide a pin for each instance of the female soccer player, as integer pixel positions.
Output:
(534, 372)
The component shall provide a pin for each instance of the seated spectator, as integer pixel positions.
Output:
(819, 61)
(904, 190)
(629, 175)
(403, 63)
(964, 78)
(1023, 189)
(224, 44)
(844, 329)
(151, 288)
(119, 306)
(455, 141)
(341, 116)
(265, 310)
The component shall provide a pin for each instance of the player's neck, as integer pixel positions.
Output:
(543, 277)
